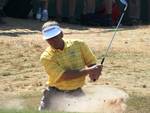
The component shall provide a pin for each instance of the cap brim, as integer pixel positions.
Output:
(51, 32)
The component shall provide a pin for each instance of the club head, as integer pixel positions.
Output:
(126, 6)
(124, 2)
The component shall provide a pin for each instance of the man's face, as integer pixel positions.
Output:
(56, 41)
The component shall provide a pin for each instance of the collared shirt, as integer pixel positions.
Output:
(75, 55)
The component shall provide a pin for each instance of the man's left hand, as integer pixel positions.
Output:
(96, 73)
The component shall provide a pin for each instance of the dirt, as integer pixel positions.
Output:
(127, 65)
(95, 99)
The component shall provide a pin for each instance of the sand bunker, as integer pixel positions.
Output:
(97, 98)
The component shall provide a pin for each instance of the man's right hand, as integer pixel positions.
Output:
(94, 72)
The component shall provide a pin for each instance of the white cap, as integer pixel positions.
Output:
(51, 32)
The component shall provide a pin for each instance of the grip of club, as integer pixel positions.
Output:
(101, 64)
(94, 80)
(103, 60)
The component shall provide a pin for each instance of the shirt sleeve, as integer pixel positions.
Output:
(87, 54)
(53, 70)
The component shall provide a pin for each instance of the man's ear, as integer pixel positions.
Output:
(61, 34)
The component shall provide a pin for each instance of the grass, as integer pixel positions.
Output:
(21, 111)
(138, 104)
(6, 73)
(127, 64)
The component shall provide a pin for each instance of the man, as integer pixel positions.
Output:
(108, 10)
(67, 63)
(149, 11)
(71, 10)
(44, 4)
(42, 12)
(134, 11)
(89, 7)
(2, 4)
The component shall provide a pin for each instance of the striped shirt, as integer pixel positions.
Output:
(75, 55)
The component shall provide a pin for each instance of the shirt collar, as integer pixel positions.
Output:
(59, 50)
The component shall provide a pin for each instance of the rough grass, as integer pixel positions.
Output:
(138, 104)
(126, 67)
(22, 111)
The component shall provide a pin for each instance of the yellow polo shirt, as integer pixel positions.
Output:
(75, 55)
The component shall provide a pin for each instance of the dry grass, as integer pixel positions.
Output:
(126, 67)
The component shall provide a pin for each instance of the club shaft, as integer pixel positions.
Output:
(113, 36)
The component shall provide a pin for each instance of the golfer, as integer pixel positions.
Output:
(67, 63)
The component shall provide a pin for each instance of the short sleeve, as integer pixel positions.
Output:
(53, 69)
(87, 54)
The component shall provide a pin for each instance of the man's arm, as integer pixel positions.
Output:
(73, 74)
(58, 74)
(90, 61)
(95, 74)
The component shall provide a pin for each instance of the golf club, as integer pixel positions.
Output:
(109, 46)
(106, 54)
